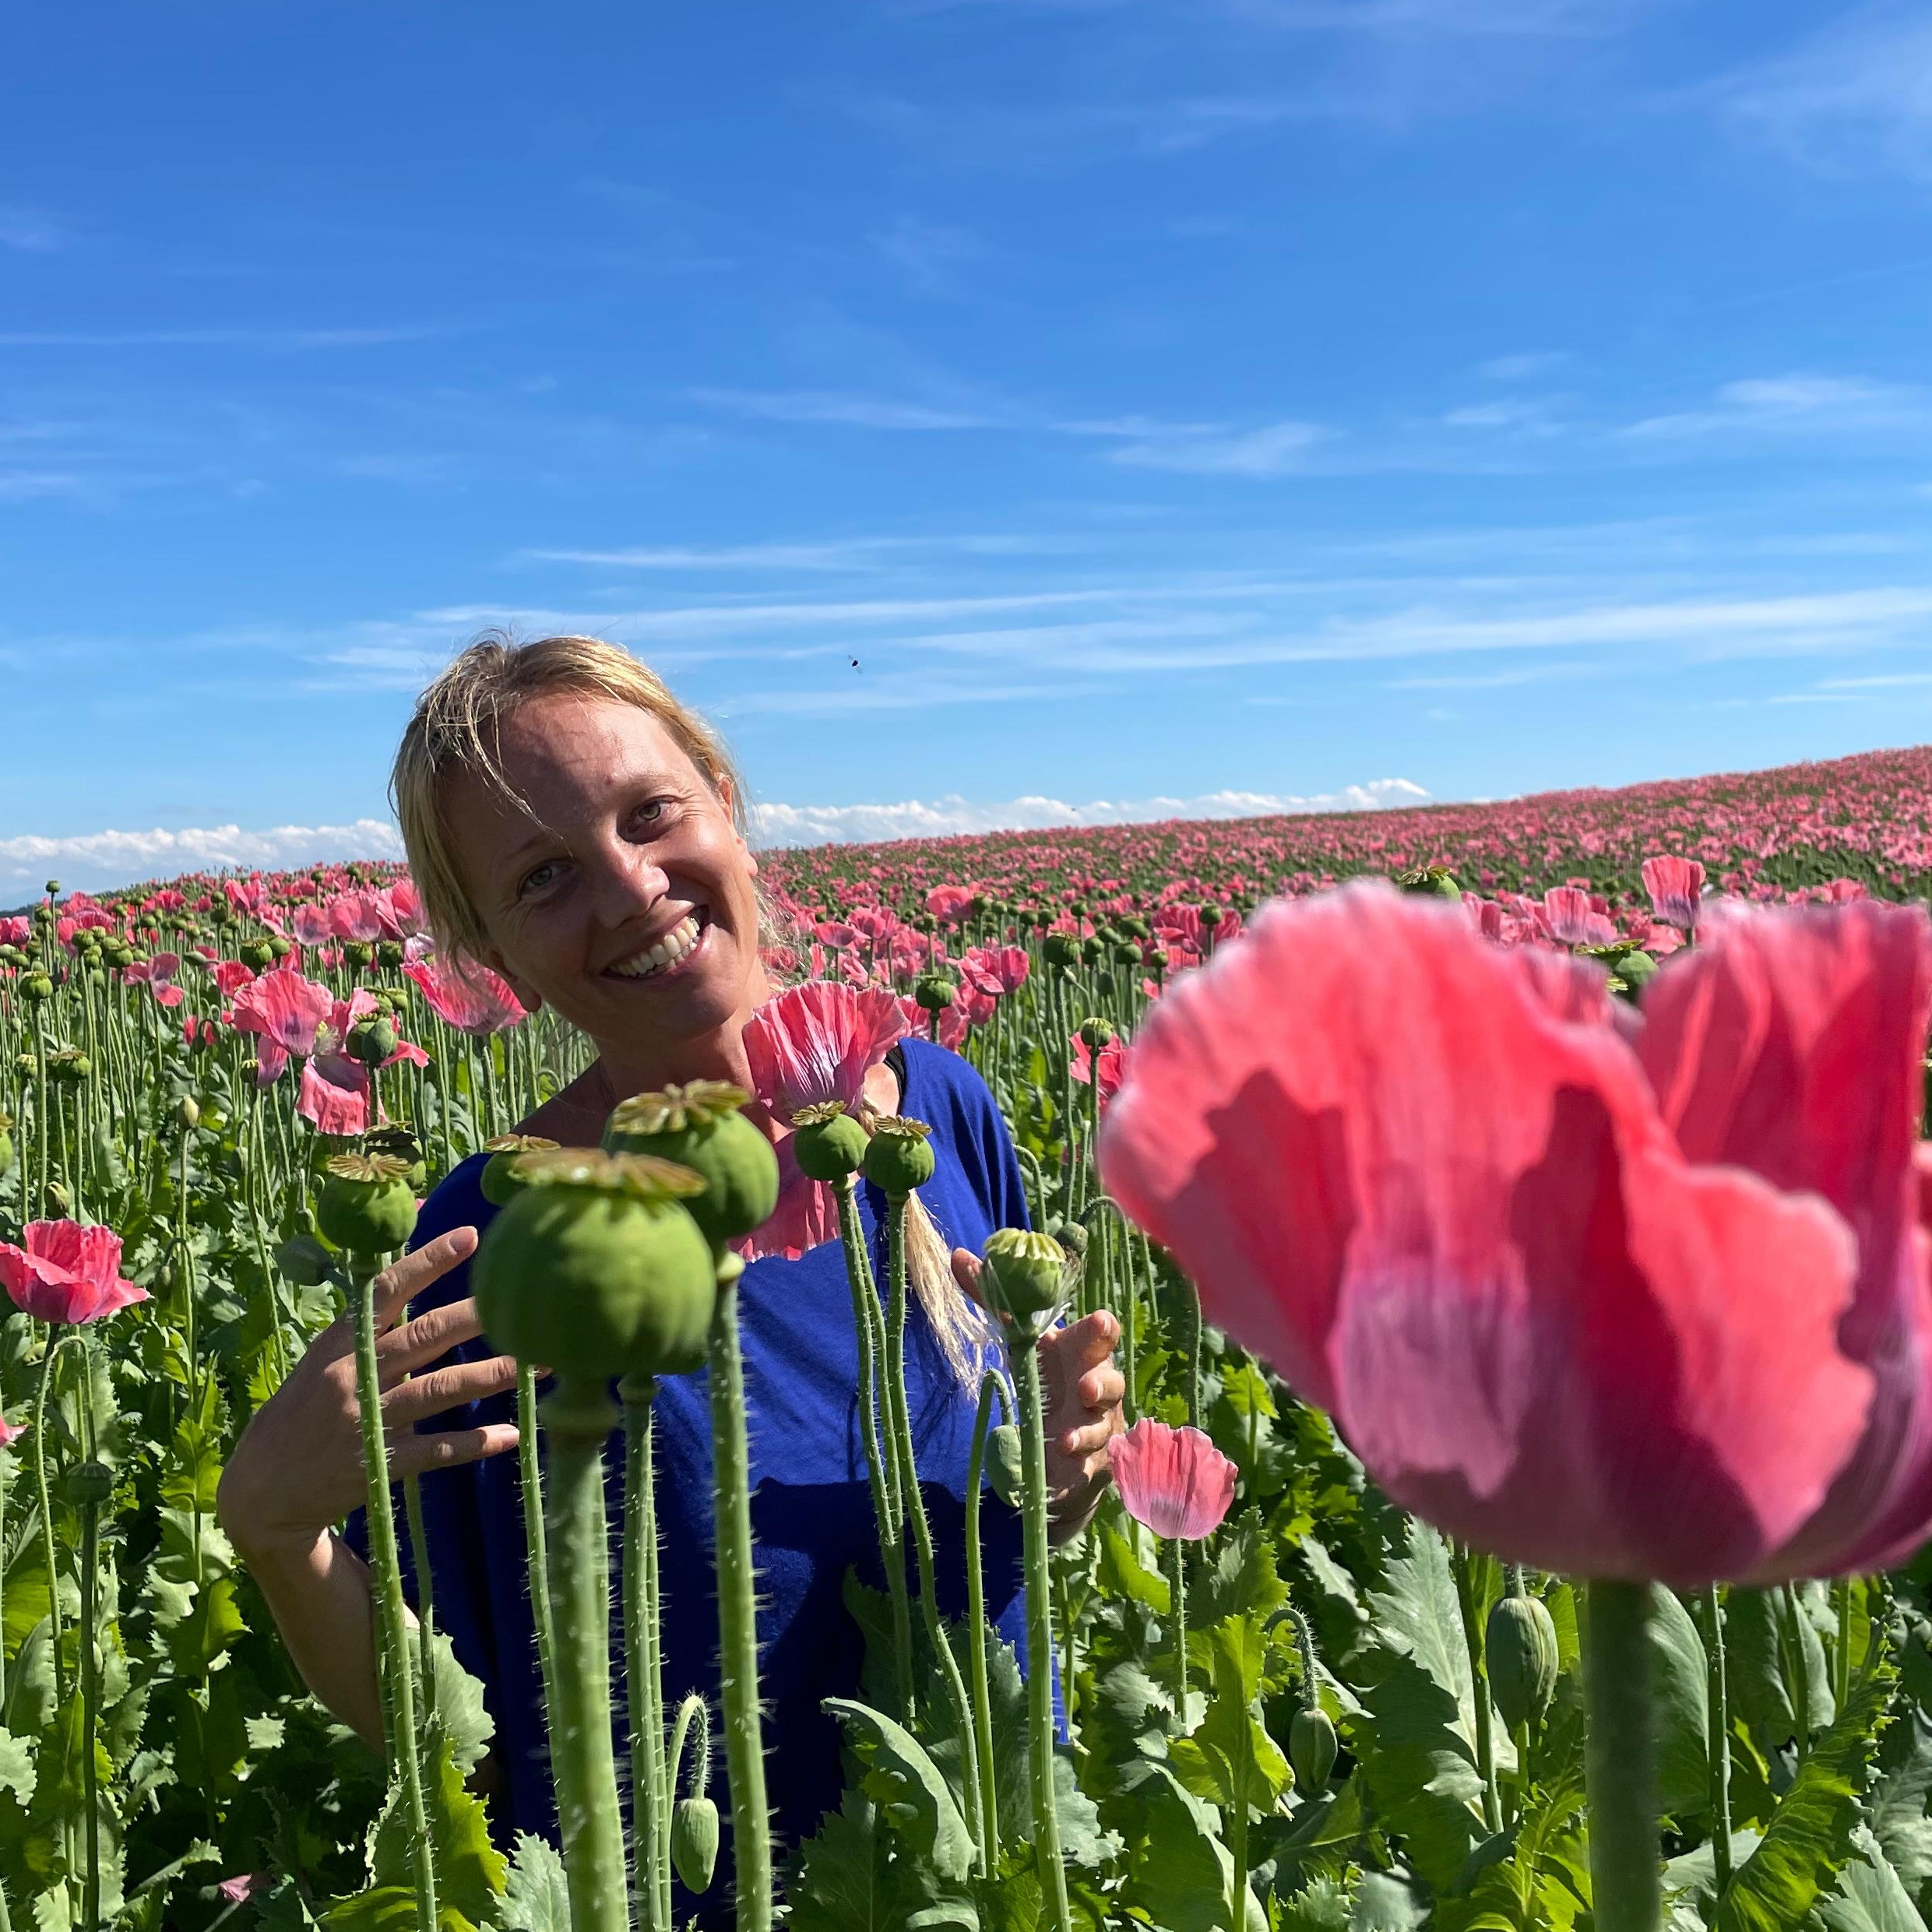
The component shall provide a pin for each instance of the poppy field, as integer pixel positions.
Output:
(1515, 1217)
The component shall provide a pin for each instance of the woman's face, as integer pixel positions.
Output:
(627, 902)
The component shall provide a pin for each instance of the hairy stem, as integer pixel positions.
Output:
(991, 1388)
(1620, 1760)
(651, 1792)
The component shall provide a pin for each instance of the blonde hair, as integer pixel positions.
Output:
(454, 732)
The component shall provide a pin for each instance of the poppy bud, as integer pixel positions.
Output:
(59, 1202)
(596, 1269)
(389, 953)
(1023, 1278)
(358, 953)
(828, 1143)
(1005, 1465)
(1096, 1034)
(89, 1483)
(1312, 1746)
(365, 1205)
(701, 1125)
(500, 1180)
(36, 988)
(694, 1841)
(257, 956)
(899, 1157)
(1522, 1645)
(188, 1114)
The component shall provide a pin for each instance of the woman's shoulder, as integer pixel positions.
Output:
(936, 1073)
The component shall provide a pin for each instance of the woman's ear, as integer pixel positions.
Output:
(727, 797)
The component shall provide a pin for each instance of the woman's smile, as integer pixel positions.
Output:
(677, 950)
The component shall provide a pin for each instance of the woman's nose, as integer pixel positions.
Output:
(625, 881)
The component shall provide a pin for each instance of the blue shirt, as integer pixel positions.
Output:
(811, 1505)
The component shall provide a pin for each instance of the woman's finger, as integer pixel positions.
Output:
(1102, 1388)
(1088, 1440)
(415, 1456)
(444, 1388)
(409, 1275)
(1087, 1342)
(966, 1271)
(428, 1338)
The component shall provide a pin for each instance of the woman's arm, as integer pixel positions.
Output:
(296, 1472)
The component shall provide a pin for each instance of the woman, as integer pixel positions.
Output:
(572, 826)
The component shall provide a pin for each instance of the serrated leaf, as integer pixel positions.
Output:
(1901, 1803)
(469, 1869)
(1181, 1872)
(1384, 1904)
(16, 1766)
(1808, 1841)
(536, 1893)
(1321, 1905)
(1230, 1757)
(1870, 1896)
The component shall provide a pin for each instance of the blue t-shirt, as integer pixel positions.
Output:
(811, 1505)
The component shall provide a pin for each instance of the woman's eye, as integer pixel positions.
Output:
(652, 811)
(535, 880)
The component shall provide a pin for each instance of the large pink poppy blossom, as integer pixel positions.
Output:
(1620, 1307)
(1113, 1058)
(67, 1273)
(287, 1011)
(996, 969)
(1675, 886)
(811, 1044)
(158, 973)
(1174, 1480)
(470, 997)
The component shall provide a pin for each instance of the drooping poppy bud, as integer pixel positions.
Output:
(366, 1206)
(1522, 1651)
(701, 1125)
(694, 1841)
(1312, 1746)
(899, 1157)
(596, 1269)
(1005, 1464)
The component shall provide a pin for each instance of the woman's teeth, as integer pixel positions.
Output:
(668, 951)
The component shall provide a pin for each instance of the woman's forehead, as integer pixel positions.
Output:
(575, 749)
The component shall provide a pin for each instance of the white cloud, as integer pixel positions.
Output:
(840, 406)
(1272, 452)
(941, 818)
(96, 861)
(1517, 367)
(1794, 401)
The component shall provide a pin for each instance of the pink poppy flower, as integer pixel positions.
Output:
(334, 1097)
(312, 925)
(1573, 920)
(244, 1886)
(950, 904)
(66, 1272)
(996, 969)
(157, 973)
(1543, 1274)
(1675, 886)
(11, 1431)
(953, 1022)
(1174, 1480)
(1112, 1065)
(230, 976)
(287, 1011)
(359, 916)
(471, 998)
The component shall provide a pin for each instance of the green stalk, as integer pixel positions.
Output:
(991, 1387)
(1464, 1561)
(425, 1593)
(90, 1712)
(535, 1551)
(1620, 1759)
(900, 1417)
(1039, 1645)
(882, 1464)
(651, 1792)
(1800, 1658)
(1718, 1724)
(577, 1417)
(737, 1616)
(1842, 1655)
(6, 1476)
(1177, 1588)
(1237, 1824)
(47, 1514)
(392, 1619)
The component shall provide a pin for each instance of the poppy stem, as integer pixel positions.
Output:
(53, 1341)
(737, 1617)
(1718, 1724)
(1040, 1647)
(578, 1415)
(651, 1790)
(535, 1540)
(1619, 1759)
(1465, 1560)
(1177, 1586)
(991, 1387)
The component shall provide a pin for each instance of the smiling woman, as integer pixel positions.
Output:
(574, 829)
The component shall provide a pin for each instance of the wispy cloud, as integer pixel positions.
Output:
(835, 406)
(928, 255)
(1852, 98)
(1796, 402)
(1274, 451)
(94, 861)
(274, 340)
(941, 818)
(32, 230)
(1520, 368)
(843, 554)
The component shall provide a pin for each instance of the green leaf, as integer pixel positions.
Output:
(1321, 1905)
(1870, 1896)
(1230, 1759)
(1543, 1885)
(16, 1766)
(1384, 1904)
(1180, 1872)
(535, 1895)
(1680, 1694)
(460, 1710)
(908, 1787)
(469, 1869)
(1809, 1840)
(1901, 1804)
(1122, 1573)
(845, 1883)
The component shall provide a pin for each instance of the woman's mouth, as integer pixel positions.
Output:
(676, 949)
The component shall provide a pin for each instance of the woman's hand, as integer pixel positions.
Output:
(1081, 1391)
(296, 1471)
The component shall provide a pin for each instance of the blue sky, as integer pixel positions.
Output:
(1208, 401)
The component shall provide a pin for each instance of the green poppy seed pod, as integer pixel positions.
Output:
(1431, 882)
(303, 1260)
(1023, 1278)
(398, 1138)
(899, 1157)
(1636, 968)
(1093, 950)
(89, 1483)
(1311, 1748)
(1210, 914)
(389, 954)
(694, 1841)
(1522, 1659)
(828, 1143)
(36, 988)
(1005, 1464)
(365, 1205)
(1096, 1034)
(1062, 949)
(702, 1125)
(188, 1114)
(282, 948)
(500, 1180)
(934, 991)
(257, 956)
(57, 1203)
(595, 1268)
(1071, 1236)
(70, 1067)
(358, 953)
(372, 1039)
